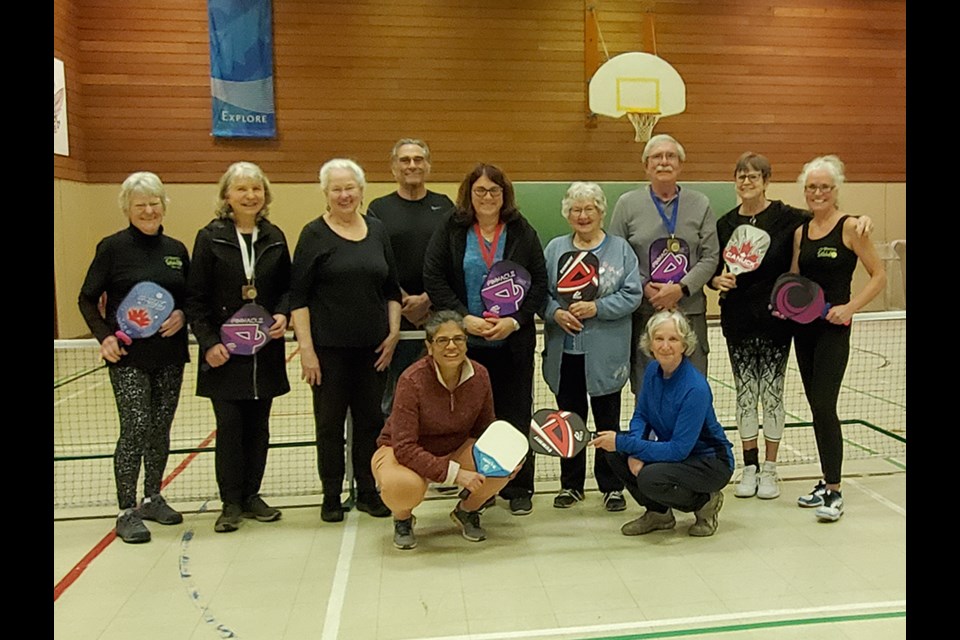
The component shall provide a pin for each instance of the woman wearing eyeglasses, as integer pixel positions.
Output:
(485, 228)
(587, 352)
(758, 344)
(826, 249)
(443, 403)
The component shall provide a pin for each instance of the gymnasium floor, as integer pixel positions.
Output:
(771, 569)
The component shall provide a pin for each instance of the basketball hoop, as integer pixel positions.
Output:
(643, 124)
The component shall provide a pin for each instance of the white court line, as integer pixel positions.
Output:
(331, 624)
(74, 395)
(695, 621)
(879, 498)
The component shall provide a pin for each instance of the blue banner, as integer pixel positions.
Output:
(241, 68)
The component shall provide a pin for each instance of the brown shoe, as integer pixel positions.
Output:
(707, 516)
(649, 521)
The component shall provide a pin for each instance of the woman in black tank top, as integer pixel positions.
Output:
(826, 250)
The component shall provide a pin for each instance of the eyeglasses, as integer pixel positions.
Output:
(482, 192)
(589, 210)
(141, 207)
(443, 341)
(822, 188)
(411, 160)
(666, 155)
(749, 177)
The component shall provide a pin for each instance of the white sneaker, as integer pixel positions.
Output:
(832, 507)
(748, 483)
(768, 487)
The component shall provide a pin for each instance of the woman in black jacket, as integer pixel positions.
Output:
(484, 228)
(241, 258)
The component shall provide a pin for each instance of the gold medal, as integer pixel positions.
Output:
(248, 292)
(673, 245)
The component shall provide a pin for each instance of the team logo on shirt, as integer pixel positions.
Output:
(827, 252)
(174, 262)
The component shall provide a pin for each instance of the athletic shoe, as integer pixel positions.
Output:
(814, 498)
(769, 485)
(747, 488)
(130, 527)
(614, 501)
(567, 498)
(707, 516)
(255, 507)
(370, 502)
(521, 505)
(403, 537)
(229, 518)
(469, 523)
(649, 521)
(832, 507)
(332, 509)
(156, 508)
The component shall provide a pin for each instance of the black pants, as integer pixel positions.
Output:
(146, 404)
(511, 379)
(348, 381)
(684, 486)
(822, 353)
(243, 438)
(572, 396)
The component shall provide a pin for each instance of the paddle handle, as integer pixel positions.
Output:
(124, 338)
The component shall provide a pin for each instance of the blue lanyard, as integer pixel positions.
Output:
(670, 224)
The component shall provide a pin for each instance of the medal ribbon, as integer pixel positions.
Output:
(488, 255)
(671, 223)
(248, 257)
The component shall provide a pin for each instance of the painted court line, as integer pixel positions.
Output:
(879, 498)
(331, 624)
(860, 610)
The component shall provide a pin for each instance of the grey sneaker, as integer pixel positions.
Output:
(403, 536)
(768, 487)
(814, 498)
(832, 507)
(255, 507)
(707, 516)
(229, 518)
(649, 521)
(156, 508)
(614, 501)
(130, 527)
(747, 488)
(469, 523)
(567, 498)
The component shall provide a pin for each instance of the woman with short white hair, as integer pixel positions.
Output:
(676, 455)
(587, 342)
(346, 314)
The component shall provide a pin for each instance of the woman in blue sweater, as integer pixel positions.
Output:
(675, 455)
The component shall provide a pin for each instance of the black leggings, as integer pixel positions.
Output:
(823, 350)
(348, 381)
(684, 486)
(146, 404)
(243, 438)
(572, 396)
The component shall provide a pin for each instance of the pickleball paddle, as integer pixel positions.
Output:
(246, 331)
(557, 433)
(142, 311)
(498, 451)
(797, 298)
(504, 288)
(745, 249)
(669, 259)
(578, 276)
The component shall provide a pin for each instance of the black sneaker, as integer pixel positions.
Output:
(491, 502)
(567, 498)
(130, 527)
(403, 536)
(332, 509)
(832, 507)
(614, 501)
(255, 507)
(521, 505)
(370, 502)
(469, 523)
(156, 508)
(229, 518)
(814, 498)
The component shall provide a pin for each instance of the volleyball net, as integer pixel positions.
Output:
(872, 407)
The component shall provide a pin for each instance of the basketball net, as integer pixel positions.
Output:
(643, 124)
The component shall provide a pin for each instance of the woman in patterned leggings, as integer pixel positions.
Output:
(146, 375)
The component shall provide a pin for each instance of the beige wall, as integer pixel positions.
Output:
(85, 213)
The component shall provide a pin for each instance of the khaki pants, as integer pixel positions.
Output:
(402, 489)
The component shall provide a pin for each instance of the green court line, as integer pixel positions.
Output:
(76, 376)
(733, 628)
